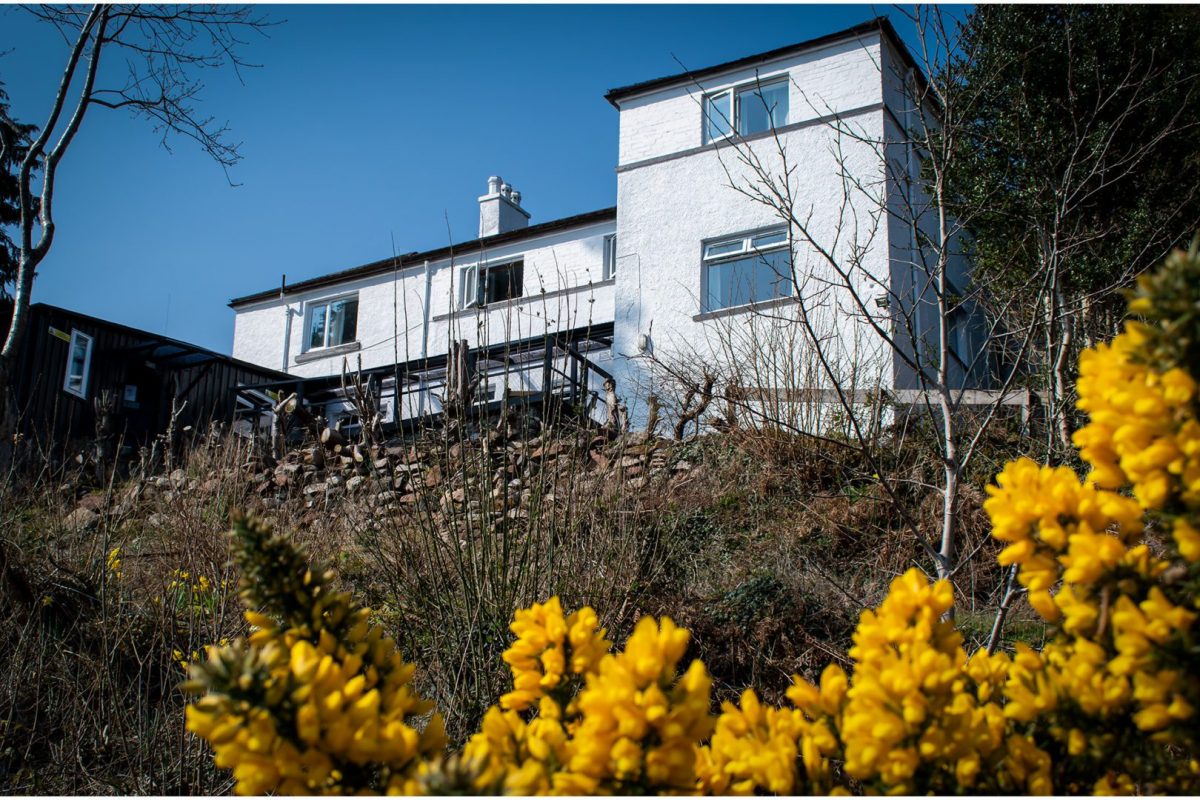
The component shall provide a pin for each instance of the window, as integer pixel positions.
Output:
(969, 343)
(755, 108)
(718, 116)
(762, 107)
(79, 364)
(503, 283)
(610, 256)
(332, 322)
(493, 284)
(752, 268)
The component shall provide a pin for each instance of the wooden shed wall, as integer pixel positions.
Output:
(119, 357)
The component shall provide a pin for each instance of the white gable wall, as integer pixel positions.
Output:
(673, 195)
(838, 77)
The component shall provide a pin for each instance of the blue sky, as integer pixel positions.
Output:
(364, 123)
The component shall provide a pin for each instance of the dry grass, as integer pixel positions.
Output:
(768, 551)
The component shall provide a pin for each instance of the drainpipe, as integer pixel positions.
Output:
(913, 175)
(424, 339)
(287, 324)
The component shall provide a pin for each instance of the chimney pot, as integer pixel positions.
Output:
(494, 184)
(516, 198)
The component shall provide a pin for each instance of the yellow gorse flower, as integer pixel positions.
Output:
(908, 701)
(113, 562)
(316, 699)
(518, 757)
(1122, 657)
(1051, 520)
(640, 717)
(1141, 432)
(754, 747)
(549, 646)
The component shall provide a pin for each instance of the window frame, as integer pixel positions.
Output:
(730, 121)
(609, 270)
(78, 336)
(735, 92)
(747, 249)
(474, 283)
(326, 302)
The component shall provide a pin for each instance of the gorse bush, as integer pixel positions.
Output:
(318, 700)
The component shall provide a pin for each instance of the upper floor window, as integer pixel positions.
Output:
(750, 109)
(751, 268)
(483, 285)
(79, 364)
(610, 256)
(718, 116)
(332, 322)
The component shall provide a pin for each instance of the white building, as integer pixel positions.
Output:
(687, 269)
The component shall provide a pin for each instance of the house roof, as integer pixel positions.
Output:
(169, 352)
(410, 259)
(878, 24)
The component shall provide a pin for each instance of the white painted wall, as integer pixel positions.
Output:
(658, 293)
(563, 289)
(912, 270)
(837, 77)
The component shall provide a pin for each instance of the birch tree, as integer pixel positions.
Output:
(897, 178)
(164, 51)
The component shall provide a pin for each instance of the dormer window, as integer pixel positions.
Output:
(756, 107)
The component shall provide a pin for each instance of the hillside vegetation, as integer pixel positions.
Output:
(536, 599)
(319, 699)
(766, 547)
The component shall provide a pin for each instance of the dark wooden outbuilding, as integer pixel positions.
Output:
(69, 359)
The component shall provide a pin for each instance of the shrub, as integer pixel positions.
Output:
(1107, 705)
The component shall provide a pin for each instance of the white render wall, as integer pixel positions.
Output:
(837, 77)
(563, 288)
(665, 175)
(911, 270)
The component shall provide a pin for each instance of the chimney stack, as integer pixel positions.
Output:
(500, 209)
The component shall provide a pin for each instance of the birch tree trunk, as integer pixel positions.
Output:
(163, 47)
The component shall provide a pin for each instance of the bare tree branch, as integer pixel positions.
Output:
(165, 46)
